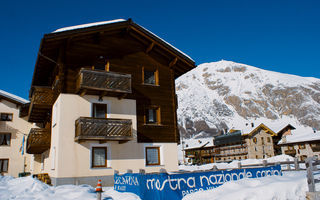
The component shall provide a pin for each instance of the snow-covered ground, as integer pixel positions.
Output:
(27, 188)
(292, 185)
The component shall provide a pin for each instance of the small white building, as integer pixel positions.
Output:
(13, 134)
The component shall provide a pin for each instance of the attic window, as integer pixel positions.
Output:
(150, 77)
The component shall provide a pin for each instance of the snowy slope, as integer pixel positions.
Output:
(224, 95)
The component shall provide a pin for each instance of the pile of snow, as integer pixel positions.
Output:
(27, 188)
(292, 185)
(234, 164)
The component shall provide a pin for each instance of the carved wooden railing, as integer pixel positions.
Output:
(104, 81)
(103, 129)
(42, 96)
(38, 140)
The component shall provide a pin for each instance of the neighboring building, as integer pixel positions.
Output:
(104, 96)
(253, 142)
(13, 129)
(199, 151)
(301, 146)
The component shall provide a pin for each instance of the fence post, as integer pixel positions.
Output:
(239, 165)
(288, 165)
(264, 163)
(296, 164)
(310, 178)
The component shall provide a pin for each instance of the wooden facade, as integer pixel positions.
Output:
(67, 63)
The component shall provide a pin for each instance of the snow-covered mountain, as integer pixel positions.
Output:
(222, 95)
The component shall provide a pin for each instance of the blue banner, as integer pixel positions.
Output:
(176, 186)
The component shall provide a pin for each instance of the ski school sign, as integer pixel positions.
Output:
(176, 186)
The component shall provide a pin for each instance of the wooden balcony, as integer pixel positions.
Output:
(315, 148)
(291, 152)
(100, 82)
(38, 140)
(103, 129)
(41, 104)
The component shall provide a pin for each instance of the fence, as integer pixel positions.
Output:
(312, 170)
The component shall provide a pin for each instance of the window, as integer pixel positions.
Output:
(99, 156)
(152, 115)
(150, 77)
(262, 141)
(100, 63)
(6, 116)
(302, 146)
(4, 165)
(268, 139)
(5, 139)
(255, 140)
(99, 110)
(290, 147)
(152, 155)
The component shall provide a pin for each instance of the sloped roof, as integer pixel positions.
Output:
(298, 138)
(12, 98)
(198, 143)
(260, 126)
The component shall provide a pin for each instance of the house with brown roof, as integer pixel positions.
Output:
(104, 97)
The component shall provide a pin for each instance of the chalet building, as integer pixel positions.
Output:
(200, 151)
(104, 96)
(13, 130)
(301, 146)
(252, 142)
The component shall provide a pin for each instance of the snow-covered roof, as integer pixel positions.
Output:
(296, 138)
(69, 28)
(13, 97)
(197, 143)
(276, 127)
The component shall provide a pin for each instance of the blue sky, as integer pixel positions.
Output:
(277, 35)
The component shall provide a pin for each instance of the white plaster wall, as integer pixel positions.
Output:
(17, 127)
(73, 159)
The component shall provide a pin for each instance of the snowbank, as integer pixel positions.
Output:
(234, 164)
(292, 185)
(28, 188)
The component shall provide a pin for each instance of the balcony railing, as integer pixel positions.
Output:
(103, 129)
(41, 103)
(290, 152)
(38, 140)
(103, 81)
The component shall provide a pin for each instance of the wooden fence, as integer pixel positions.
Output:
(312, 169)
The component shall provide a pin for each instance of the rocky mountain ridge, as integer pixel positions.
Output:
(218, 96)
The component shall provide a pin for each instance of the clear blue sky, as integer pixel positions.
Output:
(276, 35)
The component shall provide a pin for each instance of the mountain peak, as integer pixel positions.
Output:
(217, 95)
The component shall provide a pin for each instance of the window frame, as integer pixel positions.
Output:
(1, 166)
(5, 139)
(157, 115)
(105, 157)
(93, 113)
(5, 113)
(155, 74)
(146, 155)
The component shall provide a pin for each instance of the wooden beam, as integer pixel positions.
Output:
(173, 62)
(150, 47)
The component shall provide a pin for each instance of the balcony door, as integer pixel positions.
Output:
(99, 110)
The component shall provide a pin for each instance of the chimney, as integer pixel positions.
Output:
(252, 125)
